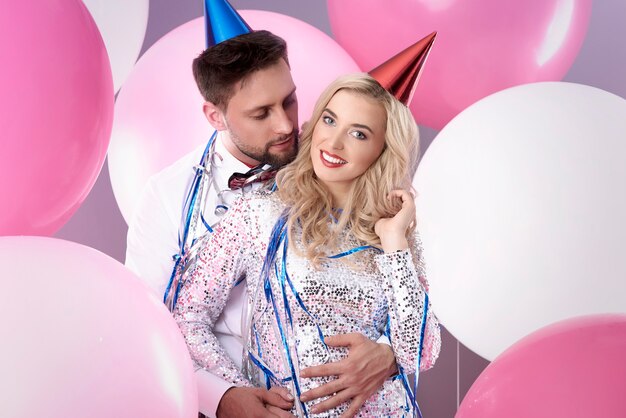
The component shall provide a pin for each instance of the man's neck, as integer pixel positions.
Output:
(234, 151)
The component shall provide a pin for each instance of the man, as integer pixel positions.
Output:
(251, 102)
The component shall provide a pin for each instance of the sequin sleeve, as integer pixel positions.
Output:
(222, 261)
(406, 286)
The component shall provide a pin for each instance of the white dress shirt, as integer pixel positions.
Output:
(153, 241)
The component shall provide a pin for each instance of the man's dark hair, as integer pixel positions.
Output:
(219, 68)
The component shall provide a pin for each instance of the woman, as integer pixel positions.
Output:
(332, 251)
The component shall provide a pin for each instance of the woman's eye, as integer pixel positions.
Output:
(328, 120)
(358, 134)
(261, 116)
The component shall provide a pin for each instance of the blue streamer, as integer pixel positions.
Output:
(169, 284)
(206, 224)
(409, 398)
(268, 373)
(190, 202)
(355, 250)
(412, 393)
(288, 352)
(287, 308)
(277, 238)
(194, 189)
(421, 344)
(222, 207)
(296, 295)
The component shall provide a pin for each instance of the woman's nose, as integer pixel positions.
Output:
(335, 139)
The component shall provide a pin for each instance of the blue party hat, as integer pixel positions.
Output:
(222, 22)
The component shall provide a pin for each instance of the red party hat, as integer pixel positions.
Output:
(400, 74)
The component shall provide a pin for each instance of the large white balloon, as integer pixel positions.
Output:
(158, 113)
(521, 206)
(122, 24)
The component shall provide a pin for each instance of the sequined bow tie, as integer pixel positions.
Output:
(255, 174)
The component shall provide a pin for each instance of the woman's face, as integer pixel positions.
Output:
(347, 139)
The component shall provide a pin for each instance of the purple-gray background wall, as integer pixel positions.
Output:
(600, 63)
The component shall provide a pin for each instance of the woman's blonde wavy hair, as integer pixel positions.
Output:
(309, 202)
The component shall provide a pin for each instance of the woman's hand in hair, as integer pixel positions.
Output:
(392, 231)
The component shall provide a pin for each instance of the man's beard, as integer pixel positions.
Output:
(263, 155)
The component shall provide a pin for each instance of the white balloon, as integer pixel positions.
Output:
(521, 206)
(122, 24)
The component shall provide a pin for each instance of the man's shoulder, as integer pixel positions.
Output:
(176, 177)
(183, 167)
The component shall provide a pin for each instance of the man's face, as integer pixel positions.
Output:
(262, 117)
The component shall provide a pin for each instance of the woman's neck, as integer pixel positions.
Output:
(339, 193)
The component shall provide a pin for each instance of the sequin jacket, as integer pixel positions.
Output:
(366, 292)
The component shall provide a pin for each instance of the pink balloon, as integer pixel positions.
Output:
(482, 46)
(83, 337)
(571, 369)
(56, 112)
(158, 113)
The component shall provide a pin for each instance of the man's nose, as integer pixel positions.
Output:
(283, 124)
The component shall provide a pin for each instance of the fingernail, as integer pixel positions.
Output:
(303, 398)
(290, 397)
(314, 409)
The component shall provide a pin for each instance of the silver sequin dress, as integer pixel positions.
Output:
(367, 292)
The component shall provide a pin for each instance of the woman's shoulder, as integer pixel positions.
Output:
(261, 203)
(262, 197)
